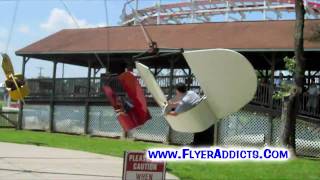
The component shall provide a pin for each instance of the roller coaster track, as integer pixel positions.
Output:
(198, 11)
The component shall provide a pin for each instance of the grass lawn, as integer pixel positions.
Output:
(294, 169)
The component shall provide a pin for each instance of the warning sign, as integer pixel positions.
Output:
(137, 167)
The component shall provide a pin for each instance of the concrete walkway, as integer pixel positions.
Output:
(30, 162)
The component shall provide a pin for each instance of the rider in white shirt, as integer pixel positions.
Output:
(184, 101)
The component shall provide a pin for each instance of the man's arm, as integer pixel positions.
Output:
(173, 113)
(173, 104)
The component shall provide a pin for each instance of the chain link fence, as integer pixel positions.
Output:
(156, 129)
(69, 119)
(36, 117)
(181, 138)
(243, 128)
(308, 139)
(5, 123)
(103, 122)
(246, 128)
(276, 130)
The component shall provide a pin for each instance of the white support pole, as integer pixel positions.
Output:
(192, 11)
(264, 10)
(137, 6)
(227, 12)
(159, 12)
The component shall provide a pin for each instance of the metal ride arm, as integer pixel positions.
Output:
(143, 57)
(154, 50)
(153, 46)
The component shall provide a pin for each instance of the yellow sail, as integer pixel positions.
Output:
(7, 65)
(16, 90)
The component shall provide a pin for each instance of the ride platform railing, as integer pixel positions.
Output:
(75, 88)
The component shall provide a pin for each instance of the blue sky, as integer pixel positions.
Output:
(37, 19)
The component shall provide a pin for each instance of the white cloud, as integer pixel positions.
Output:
(101, 25)
(24, 29)
(60, 19)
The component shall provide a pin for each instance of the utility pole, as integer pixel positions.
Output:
(62, 70)
(40, 71)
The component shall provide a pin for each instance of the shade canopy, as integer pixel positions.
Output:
(256, 40)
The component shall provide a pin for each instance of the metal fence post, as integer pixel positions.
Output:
(270, 130)
(24, 62)
(172, 61)
(216, 134)
(271, 89)
(51, 126)
(87, 107)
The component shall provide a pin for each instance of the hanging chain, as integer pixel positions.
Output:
(12, 25)
(70, 14)
(77, 24)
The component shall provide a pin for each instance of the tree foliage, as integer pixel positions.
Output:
(286, 88)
